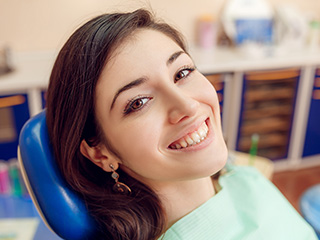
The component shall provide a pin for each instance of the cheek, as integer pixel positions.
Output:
(137, 141)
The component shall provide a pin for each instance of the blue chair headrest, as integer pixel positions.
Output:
(62, 209)
(310, 207)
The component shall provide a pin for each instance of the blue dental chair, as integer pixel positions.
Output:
(310, 207)
(63, 211)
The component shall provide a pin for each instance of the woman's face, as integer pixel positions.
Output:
(159, 112)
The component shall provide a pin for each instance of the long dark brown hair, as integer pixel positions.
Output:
(70, 119)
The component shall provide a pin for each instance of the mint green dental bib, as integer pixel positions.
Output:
(248, 207)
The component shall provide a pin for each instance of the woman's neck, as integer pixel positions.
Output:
(183, 197)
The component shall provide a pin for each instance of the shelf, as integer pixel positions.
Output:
(267, 110)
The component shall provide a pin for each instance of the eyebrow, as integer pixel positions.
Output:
(142, 80)
(174, 56)
(130, 85)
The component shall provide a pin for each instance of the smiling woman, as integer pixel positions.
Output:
(136, 131)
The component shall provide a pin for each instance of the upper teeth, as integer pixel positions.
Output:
(192, 138)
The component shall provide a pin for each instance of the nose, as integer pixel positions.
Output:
(181, 106)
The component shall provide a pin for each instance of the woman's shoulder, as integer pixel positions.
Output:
(247, 182)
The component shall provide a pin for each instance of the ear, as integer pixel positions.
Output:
(99, 155)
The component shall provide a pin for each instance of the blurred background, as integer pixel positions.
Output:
(41, 25)
(262, 56)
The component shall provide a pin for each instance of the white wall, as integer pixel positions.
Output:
(30, 25)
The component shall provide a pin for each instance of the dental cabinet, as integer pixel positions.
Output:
(276, 97)
(22, 95)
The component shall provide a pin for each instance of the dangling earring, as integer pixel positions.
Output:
(119, 187)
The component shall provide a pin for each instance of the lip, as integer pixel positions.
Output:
(200, 145)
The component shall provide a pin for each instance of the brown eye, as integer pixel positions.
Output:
(136, 104)
(183, 74)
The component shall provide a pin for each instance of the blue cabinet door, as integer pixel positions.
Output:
(217, 80)
(43, 98)
(312, 140)
(14, 112)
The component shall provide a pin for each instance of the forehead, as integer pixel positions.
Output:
(140, 53)
(142, 43)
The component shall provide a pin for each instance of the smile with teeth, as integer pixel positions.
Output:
(191, 138)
